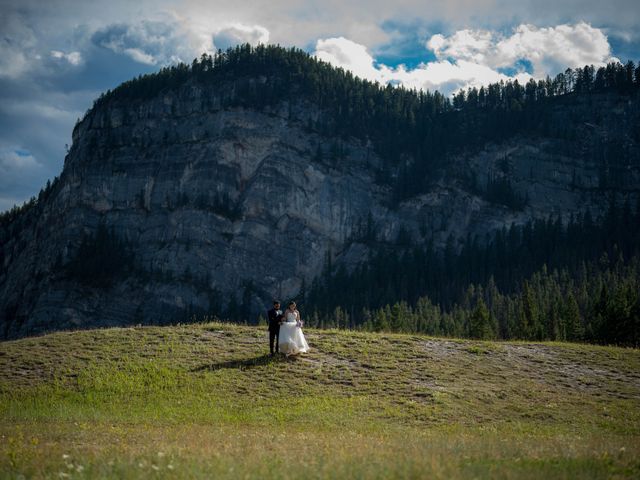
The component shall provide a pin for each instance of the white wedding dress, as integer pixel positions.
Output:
(291, 340)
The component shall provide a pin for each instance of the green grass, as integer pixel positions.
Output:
(205, 401)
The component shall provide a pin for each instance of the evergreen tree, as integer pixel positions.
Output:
(480, 323)
(572, 320)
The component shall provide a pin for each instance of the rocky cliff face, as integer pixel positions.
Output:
(221, 202)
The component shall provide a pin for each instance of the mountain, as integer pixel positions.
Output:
(217, 186)
(206, 401)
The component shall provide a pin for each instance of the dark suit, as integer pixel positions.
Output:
(274, 327)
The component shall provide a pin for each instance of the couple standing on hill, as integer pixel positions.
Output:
(285, 330)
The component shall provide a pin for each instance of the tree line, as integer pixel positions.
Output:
(545, 280)
(601, 304)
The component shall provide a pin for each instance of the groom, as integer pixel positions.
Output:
(275, 319)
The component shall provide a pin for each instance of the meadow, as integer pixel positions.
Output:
(206, 401)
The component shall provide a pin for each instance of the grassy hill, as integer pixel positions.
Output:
(205, 401)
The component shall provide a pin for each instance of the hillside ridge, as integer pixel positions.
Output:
(198, 199)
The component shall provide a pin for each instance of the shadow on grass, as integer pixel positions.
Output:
(244, 364)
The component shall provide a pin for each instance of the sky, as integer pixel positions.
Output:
(57, 56)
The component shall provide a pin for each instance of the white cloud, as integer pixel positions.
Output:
(141, 56)
(174, 40)
(239, 33)
(448, 77)
(475, 57)
(17, 160)
(74, 58)
(17, 47)
(349, 55)
(445, 76)
(150, 42)
(467, 45)
(548, 49)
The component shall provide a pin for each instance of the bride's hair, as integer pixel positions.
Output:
(292, 303)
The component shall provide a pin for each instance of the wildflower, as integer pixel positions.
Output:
(170, 467)
(65, 456)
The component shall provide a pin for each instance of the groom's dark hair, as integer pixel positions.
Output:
(276, 301)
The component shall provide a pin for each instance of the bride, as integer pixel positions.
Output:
(291, 340)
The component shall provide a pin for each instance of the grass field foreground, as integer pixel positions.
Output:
(205, 401)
